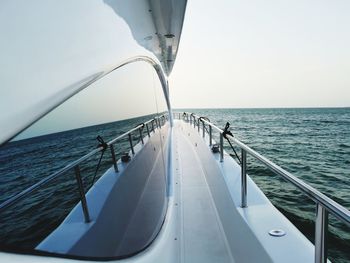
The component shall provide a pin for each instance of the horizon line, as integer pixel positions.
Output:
(297, 107)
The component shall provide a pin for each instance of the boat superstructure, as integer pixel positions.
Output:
(174, 196)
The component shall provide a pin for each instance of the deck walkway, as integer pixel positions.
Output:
(203, 236)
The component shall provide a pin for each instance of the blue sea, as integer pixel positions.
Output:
(311, 143)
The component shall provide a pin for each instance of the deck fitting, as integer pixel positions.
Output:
(277, 233)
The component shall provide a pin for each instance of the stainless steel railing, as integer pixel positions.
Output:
(324, 204)
(155, 123)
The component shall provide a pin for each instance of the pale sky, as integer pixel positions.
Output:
(263, 54)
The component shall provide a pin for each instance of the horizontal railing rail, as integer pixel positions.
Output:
(156, 122)
(324, 204)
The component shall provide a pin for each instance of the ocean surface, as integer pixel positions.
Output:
(313, 144)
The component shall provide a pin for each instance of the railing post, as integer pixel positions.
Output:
(321, 229)
(244, 179)
(113, 158)
(147, 130)
(141, 137)
(198, 125)
(190, 119)
(210, 136)
(203, 125)
(221, 147)
(131, 146)
(82, 194)
(153, 125)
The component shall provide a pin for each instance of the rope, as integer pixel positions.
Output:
(143, 126)
(204, 118)
(228, 132)
(103, 144)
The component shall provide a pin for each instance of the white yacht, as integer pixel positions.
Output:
(175, 195)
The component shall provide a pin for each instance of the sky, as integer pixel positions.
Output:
(242, 54)
(232, 54)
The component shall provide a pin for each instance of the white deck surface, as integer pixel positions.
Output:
(203, 236)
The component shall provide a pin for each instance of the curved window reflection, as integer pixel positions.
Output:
(110, 107)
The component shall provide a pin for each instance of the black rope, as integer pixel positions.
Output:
(143, 126)
(228, 132)
(204, 118)
(103, 144)
(142, 123)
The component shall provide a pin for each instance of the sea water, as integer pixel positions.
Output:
(313, 144)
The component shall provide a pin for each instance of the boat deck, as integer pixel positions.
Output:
(204, 220)
(203, 237)
(213, 225)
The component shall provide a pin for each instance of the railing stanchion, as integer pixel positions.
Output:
(130, 141)
(149, 135)
(113, 158)
(203, 125)
(190, 119)
(141, 137)
(198, 125)
(82, 194)
(221, 147)
(210, 136)
(321, 229)
(244, 179)
(153, 125)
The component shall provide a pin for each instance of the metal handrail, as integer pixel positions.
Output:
(75, 165)
(324, 204)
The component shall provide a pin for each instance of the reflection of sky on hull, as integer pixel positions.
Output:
(47, 46)
(128, 92)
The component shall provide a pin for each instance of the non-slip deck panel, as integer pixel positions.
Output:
(127, 208)
(134, 211)
(213, 229)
